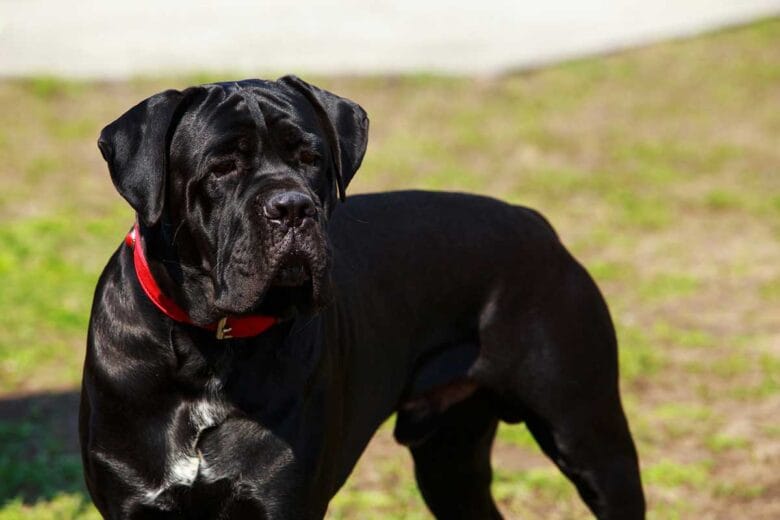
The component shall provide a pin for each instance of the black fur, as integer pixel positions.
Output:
(453, 310)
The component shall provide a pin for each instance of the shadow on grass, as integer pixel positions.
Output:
(39, 449)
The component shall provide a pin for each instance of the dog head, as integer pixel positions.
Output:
(232, 184)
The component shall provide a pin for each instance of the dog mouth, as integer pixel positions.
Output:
(296, 286)
(292, 272)
(293, 286)
(292, 280)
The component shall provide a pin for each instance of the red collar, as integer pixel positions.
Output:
(226, 328)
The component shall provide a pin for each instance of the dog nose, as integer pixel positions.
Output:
(289, 207)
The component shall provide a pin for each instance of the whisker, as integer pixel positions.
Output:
(176, 233)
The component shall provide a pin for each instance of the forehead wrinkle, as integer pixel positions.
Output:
(281, 110)
(219, 135)
(275, 104)
(203, 120)
(254, 109)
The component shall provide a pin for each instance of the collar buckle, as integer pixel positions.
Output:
(223, 332)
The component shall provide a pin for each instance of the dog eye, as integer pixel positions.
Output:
(308, 157)
(223, 168)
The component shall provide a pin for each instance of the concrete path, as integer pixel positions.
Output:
(100, 38)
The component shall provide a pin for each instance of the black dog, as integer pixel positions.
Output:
(247, 340)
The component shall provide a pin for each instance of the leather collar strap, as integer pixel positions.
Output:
(226, 328)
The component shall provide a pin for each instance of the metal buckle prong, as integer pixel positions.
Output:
(222, 331)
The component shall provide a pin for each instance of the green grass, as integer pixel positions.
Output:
(32, 465)
(670, 474)
(674, 412)
(668, 285)
(49, 266)
(639, 358)
(40, 472)
(685, 337)
(516, 435)
(547, 482)
(658, 167)
(63, 506)
(722, 442)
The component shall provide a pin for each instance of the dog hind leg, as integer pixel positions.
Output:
(555, 366)
(452, 466)
(598, 456)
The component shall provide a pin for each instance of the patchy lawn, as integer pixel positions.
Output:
(660, 167)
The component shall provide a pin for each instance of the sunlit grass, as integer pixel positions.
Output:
(70, 506)
(49, 267)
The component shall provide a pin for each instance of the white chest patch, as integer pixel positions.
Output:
(183, 470)
(205, 414)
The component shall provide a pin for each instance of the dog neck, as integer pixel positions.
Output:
(226, 327)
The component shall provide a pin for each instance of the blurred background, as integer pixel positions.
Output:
(647, 132)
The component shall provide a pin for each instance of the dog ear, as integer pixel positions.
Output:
(345, 124)
(135, 148)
